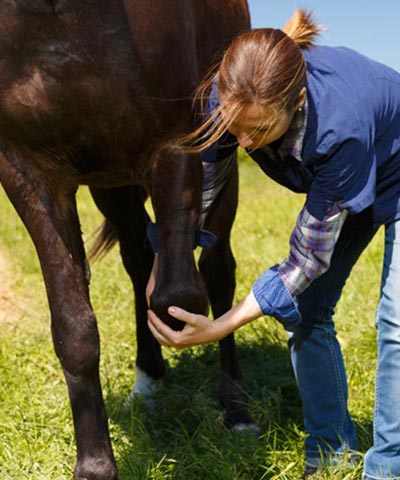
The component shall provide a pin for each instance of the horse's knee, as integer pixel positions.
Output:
(77, 344)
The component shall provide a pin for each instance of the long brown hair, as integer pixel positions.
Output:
(264, 66)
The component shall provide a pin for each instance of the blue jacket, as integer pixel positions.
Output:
(351, 148)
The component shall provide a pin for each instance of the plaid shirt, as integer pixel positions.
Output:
(311, 246)
(215, 175)
(292, 143)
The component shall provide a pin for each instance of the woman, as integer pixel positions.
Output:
(324, 121)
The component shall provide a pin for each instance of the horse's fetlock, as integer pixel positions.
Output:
(96, 469)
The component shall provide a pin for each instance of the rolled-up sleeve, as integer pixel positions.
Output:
(274, 298)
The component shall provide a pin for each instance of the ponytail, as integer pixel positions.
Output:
(303, 29)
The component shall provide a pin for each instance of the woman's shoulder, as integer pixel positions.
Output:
(343, 76)
(342, 99)
(330, 124)
(338, 58)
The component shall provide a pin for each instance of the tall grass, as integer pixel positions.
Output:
(181, 437)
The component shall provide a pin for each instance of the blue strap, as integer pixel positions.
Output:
(202, 238)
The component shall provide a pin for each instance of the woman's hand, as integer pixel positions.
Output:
(198, 329)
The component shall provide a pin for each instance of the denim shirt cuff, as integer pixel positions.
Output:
(274, 298)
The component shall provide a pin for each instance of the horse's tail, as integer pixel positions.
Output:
(106, 238)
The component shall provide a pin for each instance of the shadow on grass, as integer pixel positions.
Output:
(182, 435)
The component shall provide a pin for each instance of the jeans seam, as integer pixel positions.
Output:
(339, 385)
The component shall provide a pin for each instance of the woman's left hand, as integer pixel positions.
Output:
(198, 329)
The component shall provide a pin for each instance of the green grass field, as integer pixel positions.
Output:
(182, 438)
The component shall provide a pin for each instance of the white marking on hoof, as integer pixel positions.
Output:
(144, 387)
(251, 428)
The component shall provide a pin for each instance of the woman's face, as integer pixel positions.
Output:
(257, 126)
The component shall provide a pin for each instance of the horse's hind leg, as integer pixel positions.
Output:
(53, 225)
(217, 265)
(125, 213)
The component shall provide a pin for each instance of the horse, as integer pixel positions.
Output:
(94, 92)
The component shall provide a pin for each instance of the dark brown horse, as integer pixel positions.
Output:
(93, 92)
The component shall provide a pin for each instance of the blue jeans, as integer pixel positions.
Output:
(318, 363)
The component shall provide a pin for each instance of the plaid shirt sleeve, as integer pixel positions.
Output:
(311, 246)
(215, 175)
(217, 160)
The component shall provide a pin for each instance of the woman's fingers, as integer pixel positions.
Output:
(152, 322)
(183, 315)
(161, 331)
(194, 332)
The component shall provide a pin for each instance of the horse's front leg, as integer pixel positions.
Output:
(176, 195)
(53, 225)
(217, 266)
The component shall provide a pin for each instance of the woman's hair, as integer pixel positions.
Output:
(264, 66)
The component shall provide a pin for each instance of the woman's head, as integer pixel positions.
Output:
(261, 82)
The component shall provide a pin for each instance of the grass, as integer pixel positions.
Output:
(182, 436)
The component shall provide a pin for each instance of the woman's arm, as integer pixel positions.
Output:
(273, 294)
